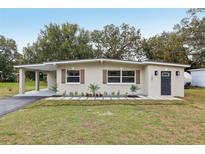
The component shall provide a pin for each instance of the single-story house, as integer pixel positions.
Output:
(153, 78)
(198, 77)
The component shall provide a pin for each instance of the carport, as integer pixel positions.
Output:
(48, 69)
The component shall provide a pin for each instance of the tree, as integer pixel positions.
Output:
(195, 11)
(123, 42)
(59, 42)
(8, 57)
(193, 31)
(167, 47)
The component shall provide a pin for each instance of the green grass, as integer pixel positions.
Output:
(12, 88)
(108, 122)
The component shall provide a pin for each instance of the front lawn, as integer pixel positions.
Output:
(108, 122)
(12, 88)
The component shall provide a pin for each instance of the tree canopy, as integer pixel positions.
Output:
(8, 57)
(59, 42)
(184, 44)
(193, 31)
(167, 47)
(68, 41)
(117, 42)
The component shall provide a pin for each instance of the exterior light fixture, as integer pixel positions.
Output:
(177, 73)
(155, 73)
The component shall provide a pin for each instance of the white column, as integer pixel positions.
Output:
(37, 80)
(21, 81)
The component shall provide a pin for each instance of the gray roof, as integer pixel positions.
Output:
(52, 65)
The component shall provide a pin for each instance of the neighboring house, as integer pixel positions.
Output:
(153, 78)
(198, 77)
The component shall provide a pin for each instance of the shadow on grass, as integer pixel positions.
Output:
(49, 103)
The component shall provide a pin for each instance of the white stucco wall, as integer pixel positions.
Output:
(149, 83)
(94, 74)
(51, 79)
(154, 82)
(198, 78)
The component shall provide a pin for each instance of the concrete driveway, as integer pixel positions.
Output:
(14, 103)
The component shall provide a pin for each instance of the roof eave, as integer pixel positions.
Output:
(94, 60)
(29, 65)
(167, 64)
(102, 60)
(194, 70)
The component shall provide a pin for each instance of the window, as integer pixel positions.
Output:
(114, 76)
(128, 76)
(167, 74)
(73, 76)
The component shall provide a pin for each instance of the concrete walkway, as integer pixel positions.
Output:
(14, 103)
(114, 98)
(42, 92)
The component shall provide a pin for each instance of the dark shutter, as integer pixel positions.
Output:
(63, 75)
(104, 76)
(137, 76)
(82, 76)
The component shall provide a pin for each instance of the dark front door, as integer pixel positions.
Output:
(165, 83)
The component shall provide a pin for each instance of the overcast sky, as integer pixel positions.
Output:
(23, 25)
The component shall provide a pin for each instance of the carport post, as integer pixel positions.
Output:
(21, 81)
(37, 80)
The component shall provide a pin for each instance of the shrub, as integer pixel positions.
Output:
(113, 93)
(118, 93)
(105, 93)
(76, 93)
(93, 88)
(134, 88)
(82, 94)
(71, 94)
(87, 94)
(54, 88)
(64, 93)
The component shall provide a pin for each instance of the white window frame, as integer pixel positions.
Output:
(128, 77)
(113, 76)
(75, 76)
(122, 83)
